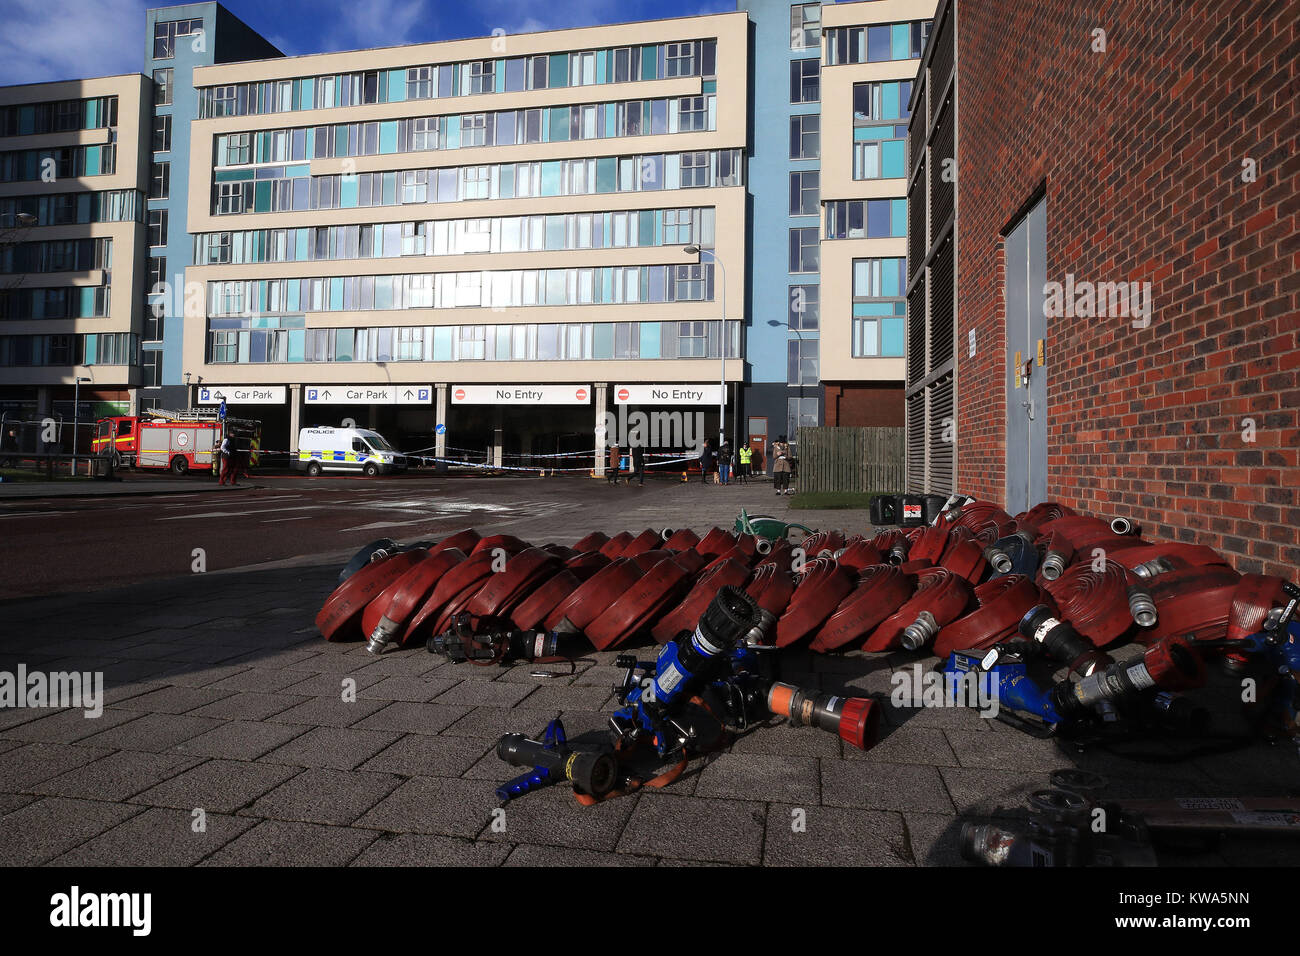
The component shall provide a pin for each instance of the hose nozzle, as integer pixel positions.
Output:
(920, 632)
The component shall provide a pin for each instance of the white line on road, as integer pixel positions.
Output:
(229, 514)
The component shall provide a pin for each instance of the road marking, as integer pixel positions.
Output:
(392, 524)
(298, 518)
(32, 514)
(229, 514)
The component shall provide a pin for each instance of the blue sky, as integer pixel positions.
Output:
(66, 39)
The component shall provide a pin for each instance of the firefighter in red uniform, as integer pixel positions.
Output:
(229, 468)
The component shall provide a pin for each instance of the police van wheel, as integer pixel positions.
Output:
(180, 465)
(313, 470)
(370, 469)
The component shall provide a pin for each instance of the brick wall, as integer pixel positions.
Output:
(873, 404)
(1141, 148)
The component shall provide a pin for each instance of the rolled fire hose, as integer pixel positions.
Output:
(560, 551)
(461, 541)
(691, 560)
(1002, 602)
(860, 554)
(781, 555)
(687, 613)
(1094, 603)
(771, 586)
(737, 554)
(1058, 553)
(964, 556)
(716, 542)
(1254, 597)
(682, 540)
(646, 560)
(504, 589)
(533, 609)
(383, 548)
(596, 594)
(412, 589)
(881, 590)
(1193, 601)
(421, 622)
(647, 540)
(823, 585)
(340, 617)
(1151, 560)
(586, 564)
(1041, 514)
(940, 598)
(930, 545)
(613, 548)
(500, 542)
(592, 542)
(471, 572)
(820, 541)
(659, 588)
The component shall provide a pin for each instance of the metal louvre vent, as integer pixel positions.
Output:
(916, 333)
(941, 325)
(942, 435)
(941, 59)
(916, 223)
(916, 133)
(916, 443)
(943, 168)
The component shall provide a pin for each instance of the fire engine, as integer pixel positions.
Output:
(179, 441)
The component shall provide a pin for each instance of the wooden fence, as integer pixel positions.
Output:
(833, 458)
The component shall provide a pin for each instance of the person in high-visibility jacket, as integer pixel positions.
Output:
(746, 459)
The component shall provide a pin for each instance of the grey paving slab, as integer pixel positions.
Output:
(206, 676)
(883, 786)
(549, 695)
(781, 737)
(434, 805)
(492, 722)
(42, 830)
(153, 733)
(340, 748)
(981, 791)
(690, 828)
(324, 796)
(331, 685)
(242, 739)
(1005, 751)
(327, 711)
(252, 706)
(934, 838)
(158, 837)
(174, 700)
(421, 755)
(423, 849)
(761, 777)
(9, 802)
(264, 680)
(926, 745)
(117, 776)
(218, 786)
(834, 836)
(413, 718)
(29, 764)
(485, 694)
(533, 855)
(407, 688)
(69, 726)
(553, 816)
(279, 843)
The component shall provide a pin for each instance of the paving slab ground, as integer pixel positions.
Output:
(223, 704)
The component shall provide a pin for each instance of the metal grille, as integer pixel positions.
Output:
(916, 133)
(916, 223)
(941, 59)
(941, 306)
(942, 435)
(916, 333)
(916, 443)
(943, 169)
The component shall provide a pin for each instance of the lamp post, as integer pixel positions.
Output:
(694, 250)
(76, 413)
(775, 323)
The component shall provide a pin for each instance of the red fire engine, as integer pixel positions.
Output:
(180, 441)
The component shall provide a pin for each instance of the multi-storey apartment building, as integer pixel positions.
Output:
(513, 232)
(72, 249)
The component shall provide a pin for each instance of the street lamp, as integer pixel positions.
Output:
(776, 324)
(76, 411)
(694, 250)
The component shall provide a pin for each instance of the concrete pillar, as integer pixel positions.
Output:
(440, 418)
(295, 416)
(602, 390)
(498, 435)
(44, 408)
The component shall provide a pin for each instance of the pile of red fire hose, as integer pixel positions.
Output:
(931, 589)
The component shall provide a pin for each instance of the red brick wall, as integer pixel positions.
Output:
(866, 405)
(1142, 148)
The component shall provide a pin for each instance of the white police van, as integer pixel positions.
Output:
(346, 449)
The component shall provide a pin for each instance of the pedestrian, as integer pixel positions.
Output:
(781, 465)
(724, 463)
(746, 457)
(614, 460)
(229, 469)
(706, 461)
(638, 464)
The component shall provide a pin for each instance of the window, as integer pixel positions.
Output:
(800, 412)
(162, 87)
(804, 308)
(157, 272)
(157, 227)
(805, 83)
(692, 340)
(805, 136)
(692, 114)
(162, 133)
(680, 59)
(151, 368)
(473, 129)
(802, 362)
(695, 169)
(419, 83)
(805, 26)
(481, 76)
(879, 308)
(804, 251)
(424, 133)
(880, 114)
(415, 185)
(234, 198)
(866, 219)
(160, 180)
(166, 32)
(804, 193)
(478, 181)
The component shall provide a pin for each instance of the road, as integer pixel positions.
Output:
(56, 545)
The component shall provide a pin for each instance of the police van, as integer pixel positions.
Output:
(346, 449)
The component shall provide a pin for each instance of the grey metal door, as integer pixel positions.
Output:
(1026, 372)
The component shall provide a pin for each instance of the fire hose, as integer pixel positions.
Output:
(881, 590)
(940, 598)
(1002, 603)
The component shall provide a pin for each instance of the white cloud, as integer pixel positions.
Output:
(374, 23)
(45, 40)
